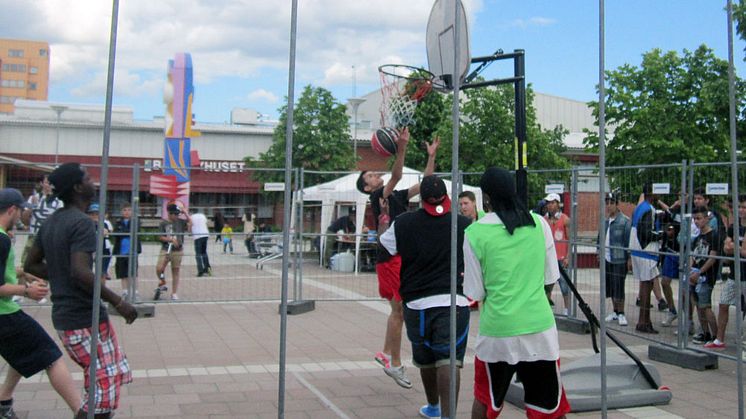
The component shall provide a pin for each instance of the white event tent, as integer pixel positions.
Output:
(344, 191)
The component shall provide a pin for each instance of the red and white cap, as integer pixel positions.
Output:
(434, 196)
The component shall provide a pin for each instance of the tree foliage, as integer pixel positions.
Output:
(672, 107)
(321, 138)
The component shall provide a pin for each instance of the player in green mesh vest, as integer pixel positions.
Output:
(24, 344)
(509, 256)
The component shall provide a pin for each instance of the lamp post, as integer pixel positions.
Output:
(58, 109)
(355, 103)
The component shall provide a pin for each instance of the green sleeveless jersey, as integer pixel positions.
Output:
(513, 272)
(7, 305)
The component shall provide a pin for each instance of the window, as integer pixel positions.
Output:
(42, 52)
(13, 83)
(32, 86)
(14, 68)
(15, 53)
(33, 70)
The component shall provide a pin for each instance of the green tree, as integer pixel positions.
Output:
(321, 138)
(739, 16)
(487, 136)
(672, 107)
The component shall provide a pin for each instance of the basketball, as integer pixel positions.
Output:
(384, 141)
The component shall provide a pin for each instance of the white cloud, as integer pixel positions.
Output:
(265, 95)
(532, 21)
(227, 38)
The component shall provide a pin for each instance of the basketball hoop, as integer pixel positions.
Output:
(402, 88)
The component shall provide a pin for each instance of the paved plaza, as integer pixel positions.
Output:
(199, 358)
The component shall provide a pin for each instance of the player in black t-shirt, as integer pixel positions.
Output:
(387, 266)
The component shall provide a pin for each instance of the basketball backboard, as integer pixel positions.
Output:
(441, 41)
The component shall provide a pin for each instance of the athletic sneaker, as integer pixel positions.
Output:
(622, 320)
(383, 359)
(432, 412)
(174, 297)
(611, 317)
(566, 312)
(158, 291)
(397, 373)
(6, 412)
(715, 344)
(662, 305)
(701, 338)
(668, 321)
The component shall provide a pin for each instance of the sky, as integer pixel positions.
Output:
(240, 48)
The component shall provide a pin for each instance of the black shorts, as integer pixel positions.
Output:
(25, 345)
(122, 267)
(615, 275)
(429, 332)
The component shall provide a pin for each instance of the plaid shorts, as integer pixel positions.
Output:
(113, 371)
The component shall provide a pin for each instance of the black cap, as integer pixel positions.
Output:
(611, 197)
(434, 196)
(64, 177)
(12, 197)
(173, 209)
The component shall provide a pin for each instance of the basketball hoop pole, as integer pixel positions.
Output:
(519, 86)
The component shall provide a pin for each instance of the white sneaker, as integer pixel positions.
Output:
(622, 320)
(174, 297)
(566, 312)
(668, 321)
(611, 317)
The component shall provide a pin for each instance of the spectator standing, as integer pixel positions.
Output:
(423, 239)
(343, 225)
(172, 232)
(227, 233)
(643, 241)
(201, 234)
(618, 228)
(24, 344)
(93, 211)
(704, 272)
(670, 271)
(728, 293)
(249, 226)
(509, 257)
(467, 204)
(43, 204)
(559, 223)
(62, 253)
(218, 225)
(122, 247)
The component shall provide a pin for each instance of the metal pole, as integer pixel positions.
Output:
(300, 202)
(573, 234)
(58, 109)
(286, 211)
(297, 235)
(104, 179)
(601, 188)
(734, 198)
(521, 176)
(456, 77)
(355, 102)
(132, 261)
(683, 264)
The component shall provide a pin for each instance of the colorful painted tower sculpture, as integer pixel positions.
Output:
(178, 95)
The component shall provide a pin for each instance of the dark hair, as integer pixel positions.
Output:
(468, 194)
(126, 205)
(361, 184)
(700, 210)
(742, 198)
(700, 191)
(647, 188)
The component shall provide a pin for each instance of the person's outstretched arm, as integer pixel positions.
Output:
(398, 168)
(432, 151)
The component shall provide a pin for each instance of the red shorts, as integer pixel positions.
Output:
(490, 386)
(114, 370)
(389, 273)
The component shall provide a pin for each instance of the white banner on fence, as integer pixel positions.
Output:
(716, 189)
(557, 188)
(661, 188)
(274, 186)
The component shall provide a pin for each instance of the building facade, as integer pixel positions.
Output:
(24, 72)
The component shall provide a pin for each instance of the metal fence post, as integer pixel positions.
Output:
(134, 238)
(573, 236)
(298, 234)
